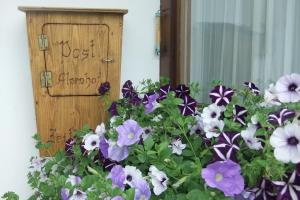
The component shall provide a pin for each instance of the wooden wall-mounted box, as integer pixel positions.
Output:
(72, 51)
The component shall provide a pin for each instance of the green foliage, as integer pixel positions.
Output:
(166, 124)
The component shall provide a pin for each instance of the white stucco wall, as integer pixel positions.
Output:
(17, 117)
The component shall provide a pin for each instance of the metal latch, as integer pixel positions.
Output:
(43, 42)
(46, 79)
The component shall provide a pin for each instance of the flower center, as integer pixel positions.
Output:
(130, 135)
(94, 143)
(292, 87)
(78, 193)
(142, 197)
(163, 180)
(147, 131)
(293, 141)
(219, 177)
(129, 178)
(198, 131)
(213, 114)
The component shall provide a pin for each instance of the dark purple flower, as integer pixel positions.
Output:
(252, 87)
(298, 169)
(163, 91)
(113, 109)
(134, 99)
(182, 90)
(221, 95)
(69, 146)
(278, 118)
(265, 191)
(127, 89)
(188, 107)
(227, 146)
(103, 147)
(104, 88)
(239, 114)
(117, 176)
(225, 176)
(289, 189)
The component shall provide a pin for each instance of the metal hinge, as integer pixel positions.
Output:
(46, 79)
(43, 42)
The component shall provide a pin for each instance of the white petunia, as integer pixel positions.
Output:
(159, 180)
(214, 128)
(212, 112)
(286, 142)
(132, 174)
(198, 127)
(177, 146)
(91, 142)
(146, 133)
(249, 137)
(157, 118)
(100, 130)
(74, 180)
(78, 195)
(270, 97)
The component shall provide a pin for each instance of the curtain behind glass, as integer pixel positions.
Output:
(243, 40)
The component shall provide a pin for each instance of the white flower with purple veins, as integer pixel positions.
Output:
(177, 146)
(290, 189)
(287, 88)
(286, 142)
(36, 164)
(78, 195)
(198, 128)
(214, 128)
(131, 174)
(212, 112)
(100, 130)
(74, 180)
(159, 180)
(129, 133)
(91, 142)
(249, 137)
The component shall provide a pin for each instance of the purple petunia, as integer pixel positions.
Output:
(188, 107)
(117, 153)
(134, 99)
(64, 193)
(252, 87)
(129, 133)
(289, 189)
(142, 190)
(239, 114)
(163, 91)
(69, 146)
(182, 90)
(225, 176)
(113, 109)
(127, 89)
(117, 198)
(104, 88)
(150, 102)
(117, 176)
(227, 146)
(265, 191)
(278, 118)
(221, 95)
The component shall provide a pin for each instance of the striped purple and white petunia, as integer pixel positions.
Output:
(221, 95)
(227, 146)
(278, 118)
(289, 189)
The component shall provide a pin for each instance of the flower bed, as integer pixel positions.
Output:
(160, 143)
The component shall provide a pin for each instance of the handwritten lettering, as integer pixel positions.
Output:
(66, 79)
(67, 51)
